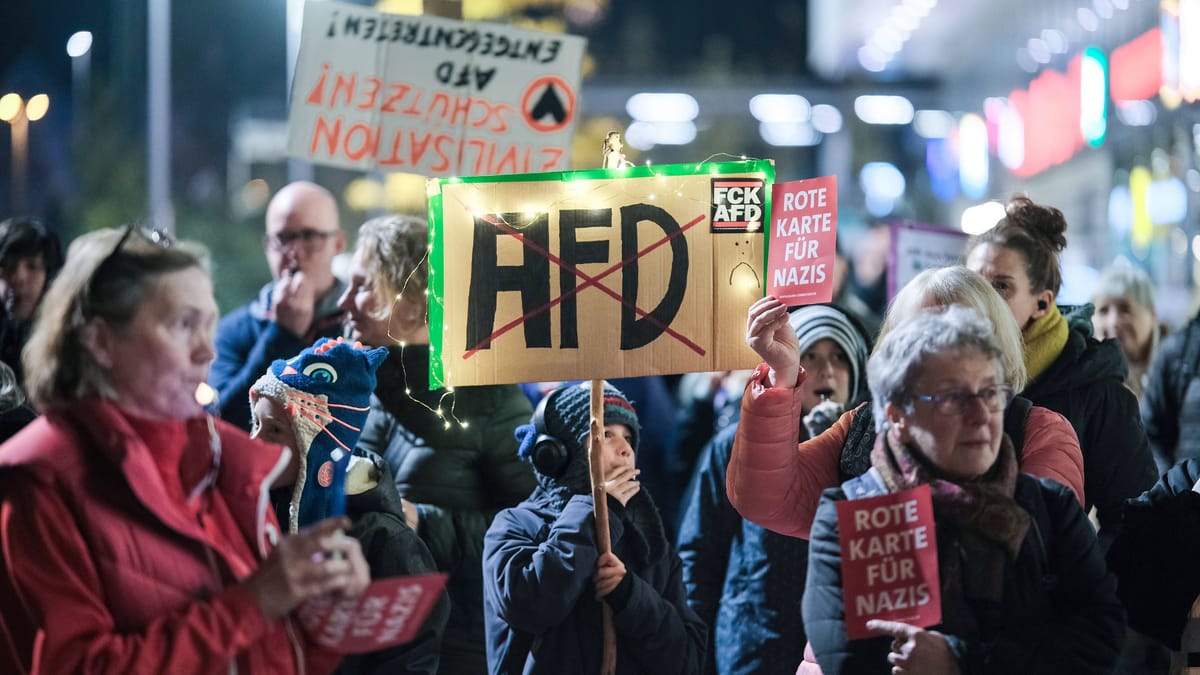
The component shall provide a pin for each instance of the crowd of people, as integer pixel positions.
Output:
(145, 528)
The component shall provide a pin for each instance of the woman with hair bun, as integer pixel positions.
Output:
(1069, 371)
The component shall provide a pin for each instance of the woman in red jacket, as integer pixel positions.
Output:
(777, 483)
(136, 531)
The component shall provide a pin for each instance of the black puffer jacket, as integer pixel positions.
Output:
(458, 477)
(1155, 557)
(1171, 400)
(1059, 611)
(1085, 384)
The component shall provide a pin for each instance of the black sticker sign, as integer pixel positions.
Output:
(737, 204)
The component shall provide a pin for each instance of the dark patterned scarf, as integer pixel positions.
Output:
(990, 523)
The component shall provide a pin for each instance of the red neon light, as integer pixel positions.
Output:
(1050, 111)
(1135, 68)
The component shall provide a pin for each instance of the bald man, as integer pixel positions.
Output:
(291, 312)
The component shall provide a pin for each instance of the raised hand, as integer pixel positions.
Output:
(294, 302)
(771, 336)
(916, 650)
(317, 560)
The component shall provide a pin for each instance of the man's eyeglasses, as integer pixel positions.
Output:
(956, 401)
(307, 238)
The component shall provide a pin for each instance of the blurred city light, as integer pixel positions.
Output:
(780, 108)
(789, 133)
(826, 118)
(662, 107)
(882, 184)
(37, 106)
(1137, 113)
(933, 123)
(79, 43)
(10, 106)
(883, 109)
(982, 217)
(973, 155)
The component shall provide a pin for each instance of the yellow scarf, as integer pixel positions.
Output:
(1044, 341)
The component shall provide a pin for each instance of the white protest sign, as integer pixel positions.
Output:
(916, 247)
(424, 94)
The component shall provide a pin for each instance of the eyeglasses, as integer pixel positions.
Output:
(156, 237)
(956, 401)
(309, 239)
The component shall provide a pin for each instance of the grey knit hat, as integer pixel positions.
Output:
(819, 322)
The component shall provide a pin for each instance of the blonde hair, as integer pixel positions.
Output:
(106, 276)
(957, 285)
(394, 251)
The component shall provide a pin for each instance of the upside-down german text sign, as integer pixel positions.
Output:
(430, 95)
(889, 560)
(595, 274)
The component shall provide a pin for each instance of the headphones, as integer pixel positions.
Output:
(1041, 304)
(550, 455)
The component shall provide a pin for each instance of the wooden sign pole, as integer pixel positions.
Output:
(600, 510)
(608, 664)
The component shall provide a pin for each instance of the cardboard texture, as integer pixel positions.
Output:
(889, 560)
(803, 241)
(431, 95)
(593, 274)
(388, 613)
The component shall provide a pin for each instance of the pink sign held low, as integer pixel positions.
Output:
(388, 613)
(889, 560)
(803, 241)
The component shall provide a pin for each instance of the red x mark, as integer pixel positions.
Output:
(588, 281)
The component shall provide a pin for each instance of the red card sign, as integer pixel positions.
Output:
(889, 560)
(803, 241)
(389, 612)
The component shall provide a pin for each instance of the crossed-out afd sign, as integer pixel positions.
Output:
(595, 274)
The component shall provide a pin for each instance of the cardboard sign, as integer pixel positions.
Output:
(803, 242)
(388, 613)
(916, 247)
(430, 95)
(595, 274)
(889, 560)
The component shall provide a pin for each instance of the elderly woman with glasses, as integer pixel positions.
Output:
(1023, 584)
(134, 527)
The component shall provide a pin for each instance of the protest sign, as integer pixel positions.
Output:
(803, 242)
(388, 613)
(889, 560)
(916, 247)
(595, 274)
(430, 95)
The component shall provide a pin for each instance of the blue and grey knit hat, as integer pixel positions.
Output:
(818, 322)
(568, 415)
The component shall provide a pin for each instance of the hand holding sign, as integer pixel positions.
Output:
(771, 336)
(916, 650)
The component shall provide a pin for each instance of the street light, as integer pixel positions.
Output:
(79, 48)
(19, 114)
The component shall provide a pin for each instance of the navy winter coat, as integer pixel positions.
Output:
(539, 596)
(1059, 611)
(745, 581)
